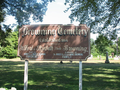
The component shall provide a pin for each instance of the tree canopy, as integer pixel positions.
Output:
(102, 16)
(23, 9)
(103, 44)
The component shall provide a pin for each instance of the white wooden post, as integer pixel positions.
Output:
(80, 75)
(26, 75)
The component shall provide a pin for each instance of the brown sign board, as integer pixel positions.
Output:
(54, 42)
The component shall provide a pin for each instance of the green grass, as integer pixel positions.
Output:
(56, 76)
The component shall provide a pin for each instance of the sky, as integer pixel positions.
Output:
(54, 15)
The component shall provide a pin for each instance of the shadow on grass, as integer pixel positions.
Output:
(11, 74)
(101, 76)
(55, 76)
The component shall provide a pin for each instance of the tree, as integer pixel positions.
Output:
(2, 15)
(102, 16)
(92, 43)
(118, 45)
(23, 9)
(93, 48)
(103, 44)
(4, 34)
(10, 45)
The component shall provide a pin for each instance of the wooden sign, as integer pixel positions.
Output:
(54, 42)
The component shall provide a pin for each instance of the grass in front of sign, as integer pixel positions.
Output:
(56, 76)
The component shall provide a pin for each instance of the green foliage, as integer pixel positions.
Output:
(9, 52)
(12, 40)
(114, 47)
(118, 42)
(102, 42)
(94, 51)
(102, 16)
(2, 15)
(23, 9)
(93, 48)
(1, 53)
(92, 44)
(110, 50)
(4, 34)
(9, 49)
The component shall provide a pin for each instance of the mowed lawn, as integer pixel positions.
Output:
(55, 76)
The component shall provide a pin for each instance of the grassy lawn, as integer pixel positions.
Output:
(55, 76)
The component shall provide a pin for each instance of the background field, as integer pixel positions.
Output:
(55, 76)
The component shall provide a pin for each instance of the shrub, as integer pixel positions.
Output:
(95, 54)
(9, 52)
(1, 53)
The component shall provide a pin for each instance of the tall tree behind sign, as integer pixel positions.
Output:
(103, 16)
(23, 9)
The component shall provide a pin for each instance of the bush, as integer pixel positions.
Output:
(9, 52)
(95, 54)
(1, 53)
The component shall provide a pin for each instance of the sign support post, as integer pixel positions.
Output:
(26, 75)
(80, 75)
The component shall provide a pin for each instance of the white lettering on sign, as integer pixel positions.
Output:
(60, 31)
(83, 49)
(72, 31)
